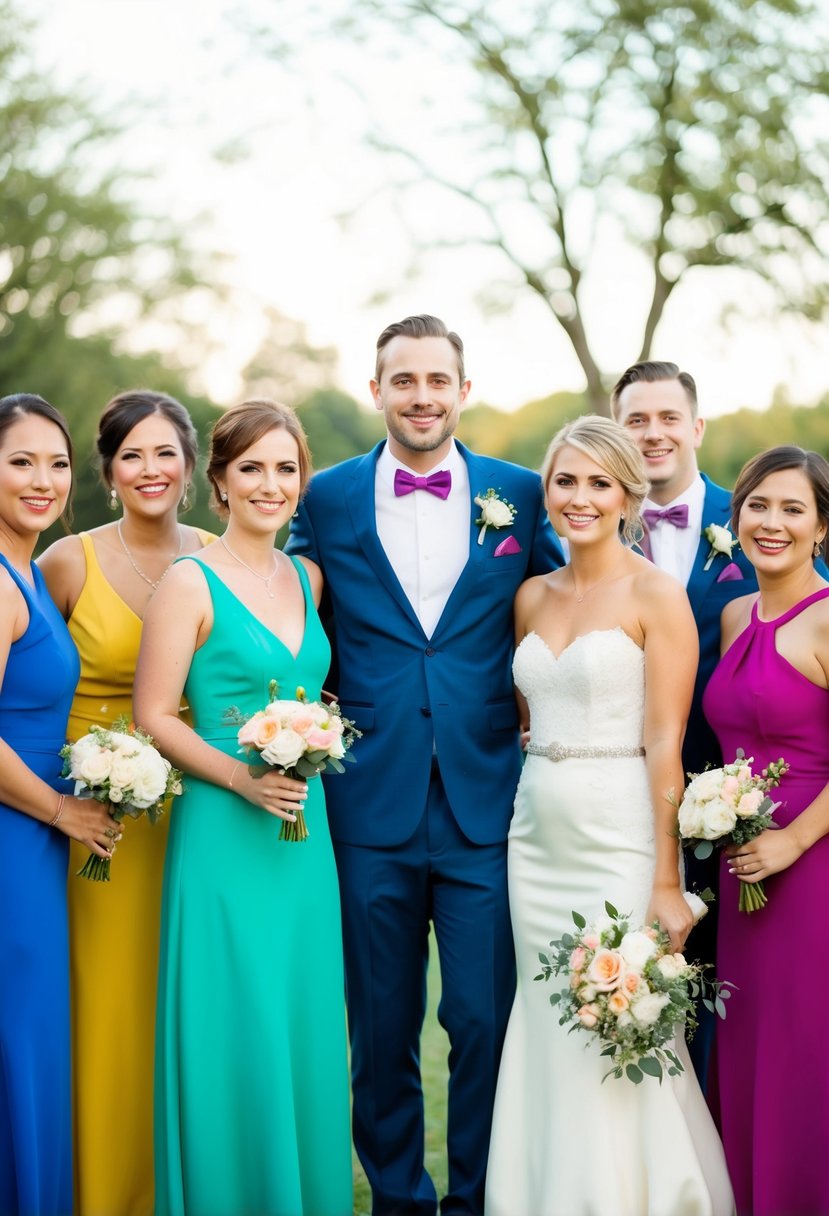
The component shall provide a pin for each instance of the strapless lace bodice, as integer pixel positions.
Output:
(592, 694)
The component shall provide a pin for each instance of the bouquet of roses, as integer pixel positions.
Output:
(122, 767)
(301, 738)
(730, 805)
(627, 987)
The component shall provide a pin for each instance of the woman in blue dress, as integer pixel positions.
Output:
(38, 673)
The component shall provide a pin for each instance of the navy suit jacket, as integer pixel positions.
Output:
(406, 690)
(709, 592)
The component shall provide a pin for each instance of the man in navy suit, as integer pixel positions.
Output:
(423, 545)
(657, 404)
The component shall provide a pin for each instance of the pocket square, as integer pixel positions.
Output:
(731, 574)
(508, 545)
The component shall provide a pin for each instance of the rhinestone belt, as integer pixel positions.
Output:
(561, 751)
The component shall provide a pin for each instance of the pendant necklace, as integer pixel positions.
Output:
(155, 585)
(587, 590)
(263, 578)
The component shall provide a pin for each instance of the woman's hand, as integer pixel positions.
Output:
(669, 907)
(89, 822)
(272, 791)
(769, 853)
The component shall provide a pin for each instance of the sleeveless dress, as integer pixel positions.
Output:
(772, 1052)
(252, 1112)
(563, 1142)
(113, 936)
(35, 1120)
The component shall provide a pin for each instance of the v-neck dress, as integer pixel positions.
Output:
(251, 1110)
(113, 936)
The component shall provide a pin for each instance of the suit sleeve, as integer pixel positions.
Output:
(547, 553)
(302, 540)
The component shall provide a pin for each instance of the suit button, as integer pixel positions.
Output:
(430, 650)
(426, 711)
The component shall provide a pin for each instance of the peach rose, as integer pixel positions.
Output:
(631, 981)
(588, 1015)
(605, 970)
(617, 1002)
(266, 731)
(749, 804)
(591, 941)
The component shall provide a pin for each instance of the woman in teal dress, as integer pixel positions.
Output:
(251, 1095)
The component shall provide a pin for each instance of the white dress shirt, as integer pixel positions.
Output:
(426, 538)
(675, 549)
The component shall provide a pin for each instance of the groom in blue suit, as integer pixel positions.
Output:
(657, 404)
(423, 545)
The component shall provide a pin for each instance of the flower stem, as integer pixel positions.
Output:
(752, 896)
(295, 831)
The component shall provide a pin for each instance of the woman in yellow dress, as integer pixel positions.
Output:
(102, 581)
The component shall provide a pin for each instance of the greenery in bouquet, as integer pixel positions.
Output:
(301, 738)
(628, 989)
(119, 765)
(731, 805)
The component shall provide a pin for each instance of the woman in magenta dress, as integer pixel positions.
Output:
(769, 696)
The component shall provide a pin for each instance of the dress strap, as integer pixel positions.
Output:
(794, 611)
(28, 591)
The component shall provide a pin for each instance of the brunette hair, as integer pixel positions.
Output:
(20, 405)
(651, 372)
(126, 410)
(243, 425)
(775, 460)
(422, 326)
(610, 445)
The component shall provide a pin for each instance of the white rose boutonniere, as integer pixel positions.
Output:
(721, 541)
(496, 512)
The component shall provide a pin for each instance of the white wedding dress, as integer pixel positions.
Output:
(563, 1142)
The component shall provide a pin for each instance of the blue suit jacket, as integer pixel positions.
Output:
(709, 592)
(405, 690)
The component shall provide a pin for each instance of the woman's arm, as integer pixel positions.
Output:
(671, 654)
(178, 621)
(81, 818)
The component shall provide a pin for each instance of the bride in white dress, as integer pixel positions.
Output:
(606, 656)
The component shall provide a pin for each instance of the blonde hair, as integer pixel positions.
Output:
(610, 445)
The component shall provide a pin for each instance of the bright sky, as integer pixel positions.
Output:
(274, 211)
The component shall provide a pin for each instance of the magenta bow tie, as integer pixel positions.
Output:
(678, 516)
(438, 484)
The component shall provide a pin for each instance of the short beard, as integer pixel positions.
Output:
(421, 443)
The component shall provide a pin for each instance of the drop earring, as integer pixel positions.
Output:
(185, 500)
(113, 499)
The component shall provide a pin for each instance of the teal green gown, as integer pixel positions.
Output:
(251, 1086)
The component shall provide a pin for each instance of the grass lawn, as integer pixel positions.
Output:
(434, 1052)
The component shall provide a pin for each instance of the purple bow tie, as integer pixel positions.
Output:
(438, 484)
(678, 516)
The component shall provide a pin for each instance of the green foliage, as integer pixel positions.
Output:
(76, 252)
(337, 427)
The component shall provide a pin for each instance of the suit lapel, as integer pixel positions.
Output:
(482, 472)
(716, 509)
(360, 501)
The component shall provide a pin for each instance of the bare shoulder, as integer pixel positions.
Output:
(314, 577)
(63, 566)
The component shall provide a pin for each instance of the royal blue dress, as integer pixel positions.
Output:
(35, 1120)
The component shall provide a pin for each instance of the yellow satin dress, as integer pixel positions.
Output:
(113, 938)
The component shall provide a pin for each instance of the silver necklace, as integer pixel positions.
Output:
(155, 585)
(263, 578)
(587, 590)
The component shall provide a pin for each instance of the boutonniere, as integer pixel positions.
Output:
(720, 540)
(496, 512)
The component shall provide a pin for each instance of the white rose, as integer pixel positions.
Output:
(123, 770)
(285, 749)
(496, 513)
(719, 819)
(691, 818)
(706, 785)
(647, 1009)
(94, 768)
(636, 948)
(149, 785)
(671, 966)
(720, 538)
